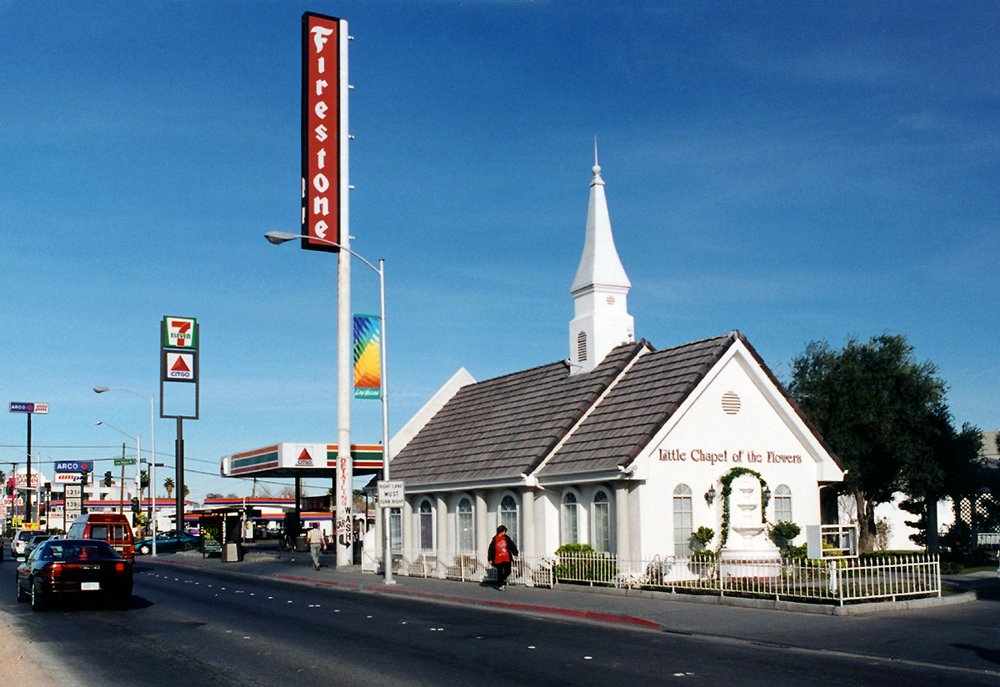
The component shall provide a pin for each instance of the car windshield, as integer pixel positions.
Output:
(72, 550)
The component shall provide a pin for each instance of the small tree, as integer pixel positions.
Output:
(871, 402)
(168, 484)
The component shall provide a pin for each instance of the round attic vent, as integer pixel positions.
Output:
(730, 403)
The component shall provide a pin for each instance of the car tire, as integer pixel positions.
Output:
(21, 595)
(144, 549)
(37, 600)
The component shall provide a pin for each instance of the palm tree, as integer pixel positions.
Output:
(168, 484)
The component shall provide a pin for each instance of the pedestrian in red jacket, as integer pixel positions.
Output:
(502, 551)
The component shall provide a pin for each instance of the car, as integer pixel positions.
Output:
(74, 568)
(20, 541)
(34, 542)
(168, 541)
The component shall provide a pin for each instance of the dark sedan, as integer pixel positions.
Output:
(168, 541)
(74, 568)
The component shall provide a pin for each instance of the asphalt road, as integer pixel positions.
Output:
(191, 628)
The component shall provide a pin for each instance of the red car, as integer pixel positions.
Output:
(74, 568)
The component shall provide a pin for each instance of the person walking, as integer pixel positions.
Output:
(316, 541)
(502, 551)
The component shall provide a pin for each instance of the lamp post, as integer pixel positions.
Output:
(279, 237)
(152, 452)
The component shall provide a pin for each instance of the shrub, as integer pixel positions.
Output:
(581, 562)
(703, 537)
(782, 533)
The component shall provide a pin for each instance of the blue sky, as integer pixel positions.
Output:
(797, 171)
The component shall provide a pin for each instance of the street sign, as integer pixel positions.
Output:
(124, 461)
(36, 408)
(391, 493)
(74, 466)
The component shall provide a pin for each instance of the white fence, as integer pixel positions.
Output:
(828, 580)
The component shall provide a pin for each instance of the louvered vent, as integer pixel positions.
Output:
(730, 403)
(581, 347)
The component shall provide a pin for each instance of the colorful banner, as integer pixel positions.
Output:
(367, 357)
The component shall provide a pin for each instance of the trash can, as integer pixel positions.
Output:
(300, 544)
(232, 551)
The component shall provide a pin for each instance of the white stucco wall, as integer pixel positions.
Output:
(702, 443)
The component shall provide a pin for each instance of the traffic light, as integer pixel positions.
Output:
(83, 478)
(135, 505)
(107, 478)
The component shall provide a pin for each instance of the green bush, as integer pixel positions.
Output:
(703, 537)
(584, 564)
(782, 533)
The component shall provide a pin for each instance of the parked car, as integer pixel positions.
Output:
(168, 541)
(74, 568)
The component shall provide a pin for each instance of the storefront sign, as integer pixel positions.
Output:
(324, 117)
(738, 457)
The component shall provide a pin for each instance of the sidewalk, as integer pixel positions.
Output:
(685, 613)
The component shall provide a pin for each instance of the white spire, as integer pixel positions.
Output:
(600, 288)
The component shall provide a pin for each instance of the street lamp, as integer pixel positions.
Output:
(279, 237)
(152, 452)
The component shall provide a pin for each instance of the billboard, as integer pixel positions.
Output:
(324, 130)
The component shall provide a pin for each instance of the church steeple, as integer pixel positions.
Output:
(600, 288)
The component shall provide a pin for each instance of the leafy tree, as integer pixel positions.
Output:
(946, 465)
(871, 402)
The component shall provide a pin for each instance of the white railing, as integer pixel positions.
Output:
(828, 580)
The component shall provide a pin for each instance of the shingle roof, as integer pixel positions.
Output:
(504, 427)
(625, 421)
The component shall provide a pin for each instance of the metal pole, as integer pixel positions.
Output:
(27, 492)
(386, 538)
(345, 380)
(179, 476)
(152, 466)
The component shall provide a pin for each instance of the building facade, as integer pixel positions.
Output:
(622, 447)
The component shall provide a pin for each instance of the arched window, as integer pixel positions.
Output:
(426, 525)
(466, 535)
(570, 519)
(683, 521)
(602, 522)
(508, 516)
(783, 504)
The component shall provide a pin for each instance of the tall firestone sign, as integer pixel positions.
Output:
(324, 130)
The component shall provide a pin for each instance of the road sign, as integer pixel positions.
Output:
(391, 493)
(36, 408)
(124, 461)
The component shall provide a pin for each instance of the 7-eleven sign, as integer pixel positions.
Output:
(180, 332)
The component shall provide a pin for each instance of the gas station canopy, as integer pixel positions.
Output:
(300, 460)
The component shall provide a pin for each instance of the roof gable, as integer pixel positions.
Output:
(632, 412)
